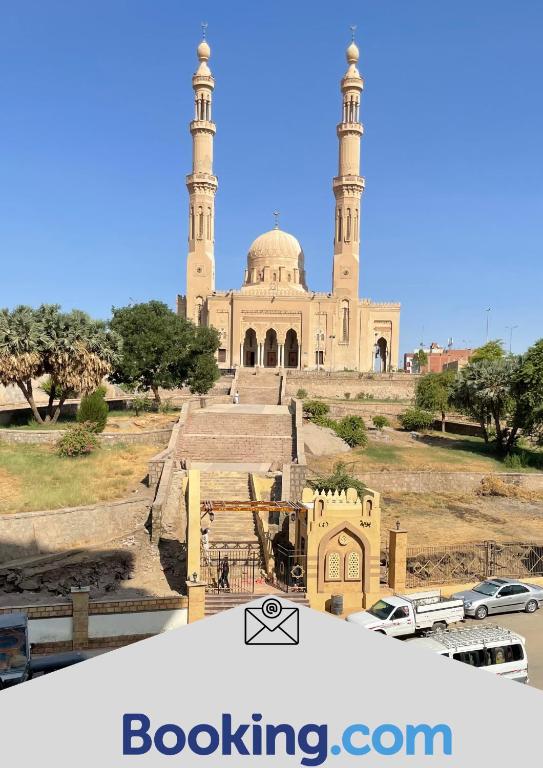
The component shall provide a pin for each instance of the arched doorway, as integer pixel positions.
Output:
(381, 355)
(291, 349)
(270, 349)
(249, 348)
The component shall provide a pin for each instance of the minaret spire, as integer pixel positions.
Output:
(348, 185)
(202, 186)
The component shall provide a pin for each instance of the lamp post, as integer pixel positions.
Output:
(510, 328)
(487, 316)
(331, 337)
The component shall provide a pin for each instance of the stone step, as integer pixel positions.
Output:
(218, 602)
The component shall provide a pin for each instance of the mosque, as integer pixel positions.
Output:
(274, 320)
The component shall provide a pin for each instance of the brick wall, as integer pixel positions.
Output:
(50, 437)
(399, 481)
(393, 385)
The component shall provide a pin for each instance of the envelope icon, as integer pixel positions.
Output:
(272, 624)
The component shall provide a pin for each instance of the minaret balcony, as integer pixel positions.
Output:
(203, 126)
(348, 185)
(344, 129)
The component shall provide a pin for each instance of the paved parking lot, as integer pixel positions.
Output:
(529, 626)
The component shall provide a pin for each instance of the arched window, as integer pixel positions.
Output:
(200, 222)
(339, 225)
(356, 234)
(289, 277)
(348, 232)
(198, 310)
(192, 222)
(352, 566)
(274, 277)
(345, 320)
(209, 223)
(333, 566)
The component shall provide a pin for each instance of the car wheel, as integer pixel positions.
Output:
(531, 606)
(481, 612)
(439, 626)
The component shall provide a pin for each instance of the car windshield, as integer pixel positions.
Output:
(12, 649)
(381, 609)
(486, 588)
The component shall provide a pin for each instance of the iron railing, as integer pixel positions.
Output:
(469, 562)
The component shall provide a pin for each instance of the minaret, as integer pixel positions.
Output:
(202, 186)
(348, 184)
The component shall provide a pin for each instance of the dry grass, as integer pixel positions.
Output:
(441, 519)
(34, 477)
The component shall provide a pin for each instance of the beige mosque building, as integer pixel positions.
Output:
(274, 320)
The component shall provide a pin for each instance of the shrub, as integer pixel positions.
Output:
(166, 406)
(93, 411)
(301, 394)
(339, 480)
(101, 390)
(141, 403)
(325, 421)
(47, 384)
(79, 440)
(380, 421)
(364, 396)
(314, 408)
(353, 430)
(416, 419)
(347, 395)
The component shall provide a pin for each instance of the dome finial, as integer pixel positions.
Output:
(353, 54)
(276, 214)
(203, 50)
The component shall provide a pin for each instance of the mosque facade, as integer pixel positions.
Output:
(274, 320)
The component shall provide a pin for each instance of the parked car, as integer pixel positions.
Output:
(493, 649)
(408, 614)
(500, 596)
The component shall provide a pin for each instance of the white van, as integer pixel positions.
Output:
(491, 648)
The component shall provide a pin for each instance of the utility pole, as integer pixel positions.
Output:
(510, 328)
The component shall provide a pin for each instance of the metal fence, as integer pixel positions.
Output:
(469, 562)
(230, 568)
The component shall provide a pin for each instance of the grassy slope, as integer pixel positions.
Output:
(34, 477)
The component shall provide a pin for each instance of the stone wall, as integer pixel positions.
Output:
(323, 384)
(102, 623)
(401, 481)
(28, 534)
(50, 437)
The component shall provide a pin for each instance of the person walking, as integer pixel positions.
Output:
(224, 583)
(205, 545)
(236, 398)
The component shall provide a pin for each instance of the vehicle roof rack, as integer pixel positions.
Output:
(452, 638)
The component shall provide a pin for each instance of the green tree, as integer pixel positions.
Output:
(432, 393)
(75, 351)
(420, 359)
(160, 348)
(492, 350)
(527, 393)
(203, 375)
(352, 430)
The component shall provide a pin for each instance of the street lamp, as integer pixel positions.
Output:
(487, 316)
(331, 337)
(510, 328)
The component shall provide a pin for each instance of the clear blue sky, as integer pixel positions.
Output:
(94, 147)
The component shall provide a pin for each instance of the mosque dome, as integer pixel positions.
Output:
(276, 257)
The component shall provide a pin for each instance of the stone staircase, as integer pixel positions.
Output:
(224, 486)
(231, 436)
(257, 386)
(233, 526)
(215, 603)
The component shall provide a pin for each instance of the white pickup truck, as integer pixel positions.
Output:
(399, 615)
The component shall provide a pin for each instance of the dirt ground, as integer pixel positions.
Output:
(128, 567)
(438, 519)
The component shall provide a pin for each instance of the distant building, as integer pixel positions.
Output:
(439, 359)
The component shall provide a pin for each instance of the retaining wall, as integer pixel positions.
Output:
(27, 534)
(325, 385)
(401, 481)
(50, 437)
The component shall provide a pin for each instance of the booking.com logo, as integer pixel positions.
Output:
(311, 741)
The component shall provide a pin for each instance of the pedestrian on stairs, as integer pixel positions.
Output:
(236, 397)
(223, 576)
